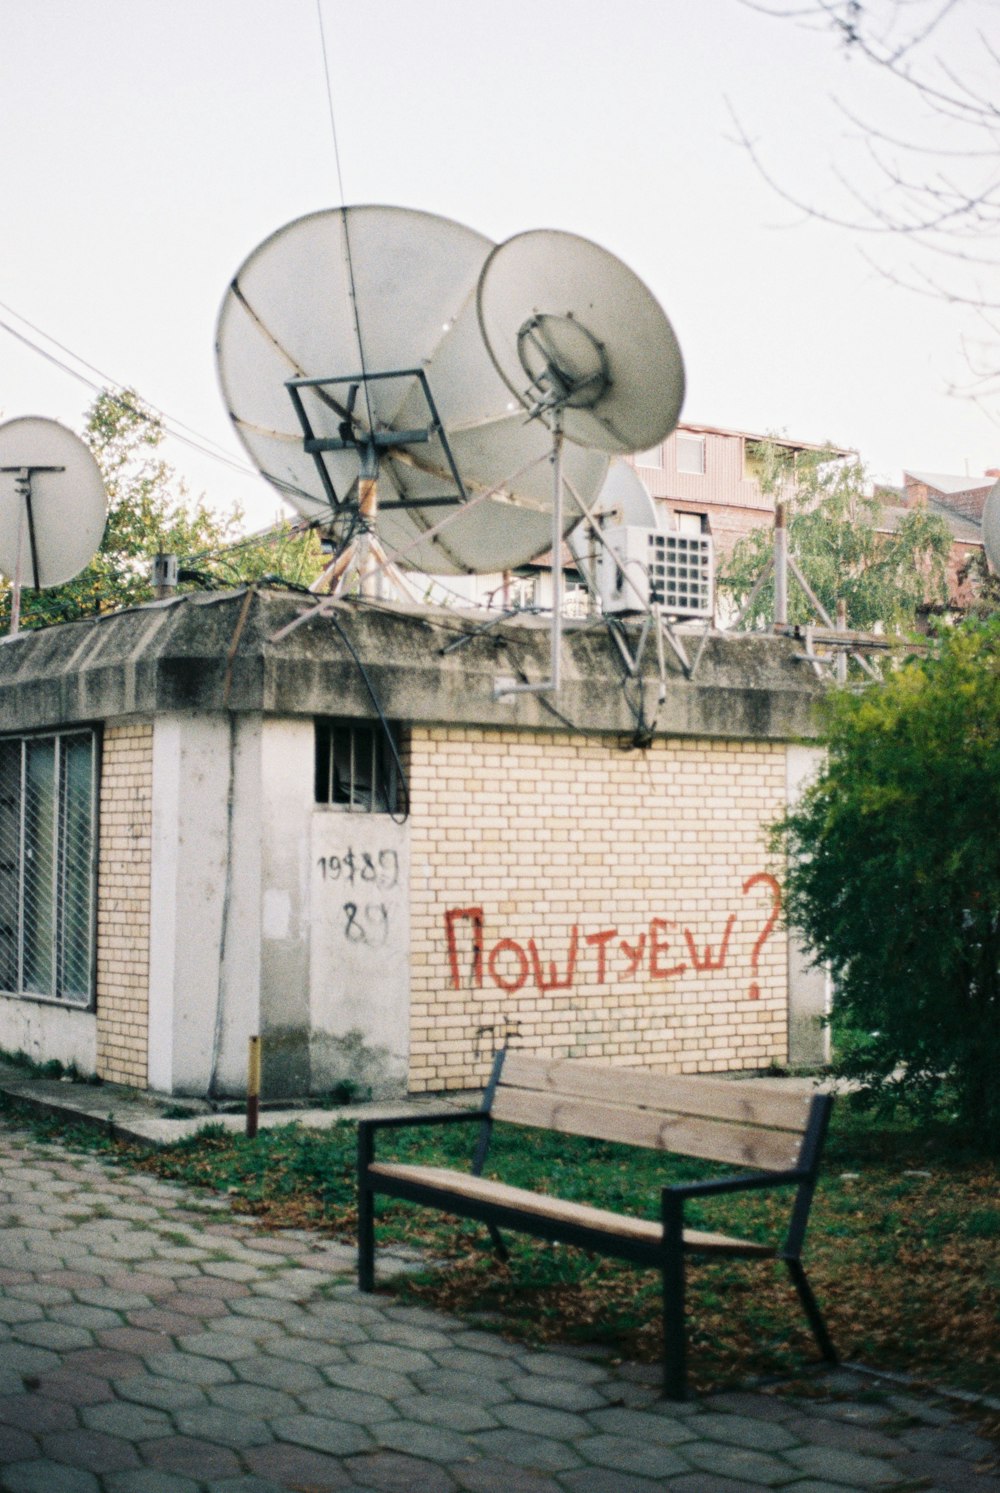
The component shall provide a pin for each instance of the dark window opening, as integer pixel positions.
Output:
(356, 768)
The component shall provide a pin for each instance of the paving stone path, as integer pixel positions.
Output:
(149, 1343)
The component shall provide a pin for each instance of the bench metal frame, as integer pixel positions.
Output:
(666, 1255)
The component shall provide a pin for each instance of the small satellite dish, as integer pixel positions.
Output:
(53, 506)
(622, 500)
(573, 329)
(991, 526)
(348, 348)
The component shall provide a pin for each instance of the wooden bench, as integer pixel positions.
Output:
(779, 1134)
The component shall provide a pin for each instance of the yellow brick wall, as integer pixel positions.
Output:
(123, 871)
(537, 858)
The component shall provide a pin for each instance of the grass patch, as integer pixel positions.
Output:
(905, 1266)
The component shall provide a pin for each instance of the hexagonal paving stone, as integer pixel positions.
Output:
(489, 1474)
(618, 1421)
(611, 1480)
(226, 1346)
(526, 1451)
(257, 1400)
(735, 1462)
(74, 1388)
(158, 1392)
(227, 1427)
(452, 1415)
(190, 1368)
(336, 1438)
(435, 1443)
(45, 1476)
(16, 1445)
(486, 1365)
(391, 1472)
(361, 1408)
(36, 1412)
(279, 1373)
(558, 1394)
(131, 1422)
(645, 1459)
(149, 1480)
(370, 1380)
(459, 1385)
(92, 1450)
(189, 1457)
(842, 1467)
(388, 1356)
(298, 1467)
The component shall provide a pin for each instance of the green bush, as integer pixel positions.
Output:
(894, 879)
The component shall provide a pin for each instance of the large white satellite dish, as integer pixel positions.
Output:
(991, 526)
(53, 506)
(572, 328)
(349, 348)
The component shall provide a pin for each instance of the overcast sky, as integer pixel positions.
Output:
(149, 145)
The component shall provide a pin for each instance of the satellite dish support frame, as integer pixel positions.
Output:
(26, 518)
(356, 559)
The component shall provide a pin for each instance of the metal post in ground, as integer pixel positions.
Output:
(253, 1087)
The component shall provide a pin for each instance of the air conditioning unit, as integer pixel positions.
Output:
(654, 567)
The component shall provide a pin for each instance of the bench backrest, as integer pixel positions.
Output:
(716, 1119)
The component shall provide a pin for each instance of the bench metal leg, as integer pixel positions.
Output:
(502, 1252)
(811, 1309)
(366, 1241)
(674, 1347)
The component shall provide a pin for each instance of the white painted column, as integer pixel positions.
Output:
(189, 889)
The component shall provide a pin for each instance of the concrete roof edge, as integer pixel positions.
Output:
(428, 667)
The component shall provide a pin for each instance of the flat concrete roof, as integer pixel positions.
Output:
(207, 652)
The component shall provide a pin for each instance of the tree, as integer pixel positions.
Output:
(894, 878)
(149, 512)
(838, 536)
(933, 180)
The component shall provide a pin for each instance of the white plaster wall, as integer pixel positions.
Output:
(808, 986)
(190, 854)
(359, 988)
(45, 1031)
(287, 791)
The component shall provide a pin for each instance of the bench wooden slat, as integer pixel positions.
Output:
(559, 1210)
(742, 1101)
(769, 1150)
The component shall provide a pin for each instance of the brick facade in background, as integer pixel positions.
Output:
(593, 902)
(123, 879)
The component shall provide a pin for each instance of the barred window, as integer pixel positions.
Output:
(48, 841)
(355, 768)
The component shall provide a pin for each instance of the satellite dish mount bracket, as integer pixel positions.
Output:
(370, 445)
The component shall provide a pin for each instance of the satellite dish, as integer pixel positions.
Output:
(53, 506)
(623, 499)
(348, 347)
(573, 329)
(991, 526)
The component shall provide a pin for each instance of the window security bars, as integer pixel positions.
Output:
(355, 768)
(48, 844)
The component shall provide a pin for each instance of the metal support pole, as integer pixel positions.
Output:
(780, 565)
(16, 583)
(841, 627)
(368, 508)
(544, 686)
(253, 1087)
(555, 670)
